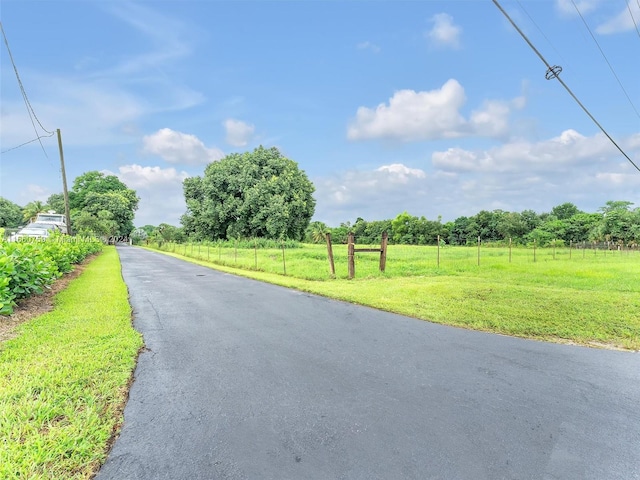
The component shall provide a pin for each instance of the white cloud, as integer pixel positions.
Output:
(367, 45)
(565, 151)
(623, 21)
(160, 191)
(181, 148)
(430, 115)
(444, 33)
(571, 167)
(239, 133)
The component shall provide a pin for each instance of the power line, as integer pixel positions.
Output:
(554, 72)
(27, 143)
(631, 13)
(605, 57)
(30, 111)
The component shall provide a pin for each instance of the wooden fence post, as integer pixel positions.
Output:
(438, 257)
(383, 251)
(332, 267)
(509, 249)
(478, 250)
(284, 265)
(350, 256)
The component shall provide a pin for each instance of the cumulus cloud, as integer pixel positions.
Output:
(181, 148)
(160, 192)
(567, 150)
(238, 132)
(431, 115)
(444, 33)
(622, 22)
(367, 45)
(518, 175)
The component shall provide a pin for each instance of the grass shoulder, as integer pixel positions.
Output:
(64, 378)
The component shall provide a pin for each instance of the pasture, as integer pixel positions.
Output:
(589, 297)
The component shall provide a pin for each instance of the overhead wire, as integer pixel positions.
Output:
(554, 72)
(631, 13)
(30, 111)
(605, 57)
(27, 143)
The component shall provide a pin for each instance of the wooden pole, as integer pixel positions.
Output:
(509, 249)
(478, 250)
(65, 193)
(332, 266)
(350, 256)
(438, 258)
(284, 265)
(383, 251)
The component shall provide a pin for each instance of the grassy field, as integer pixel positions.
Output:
(589, 297)
(64, 378)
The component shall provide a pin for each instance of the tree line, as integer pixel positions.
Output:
(99, 205)
(615, 222)
(263, 194)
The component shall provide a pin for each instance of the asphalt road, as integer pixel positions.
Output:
(245, 380)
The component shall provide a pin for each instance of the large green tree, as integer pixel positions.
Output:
(10, 214)
(107, 205)
(253, 194)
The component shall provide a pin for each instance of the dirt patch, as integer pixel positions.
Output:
(36, 305)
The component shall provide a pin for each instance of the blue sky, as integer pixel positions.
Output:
(438, 108)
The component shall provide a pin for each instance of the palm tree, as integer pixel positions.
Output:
(32, 209)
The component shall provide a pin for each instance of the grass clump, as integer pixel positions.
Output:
(64, 378)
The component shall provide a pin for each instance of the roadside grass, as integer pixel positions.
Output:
(64, 378)
(583, 297)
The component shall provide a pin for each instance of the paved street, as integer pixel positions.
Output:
(246, 380)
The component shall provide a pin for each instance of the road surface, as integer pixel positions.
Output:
(246, 380)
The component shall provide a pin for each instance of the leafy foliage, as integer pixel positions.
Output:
(102, 205)
(10, 214)
(254, 194)
(26, 268)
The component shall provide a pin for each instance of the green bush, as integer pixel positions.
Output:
(28, 267)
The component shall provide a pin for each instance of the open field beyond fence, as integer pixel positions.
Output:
(570, 295)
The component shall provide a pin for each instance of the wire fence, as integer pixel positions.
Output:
(311, 261)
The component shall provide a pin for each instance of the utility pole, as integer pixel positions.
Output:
(64, 185)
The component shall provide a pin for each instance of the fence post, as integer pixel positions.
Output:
(478, 250)
(438, 257)
(383, 251)
(332, 267)
(584, 248)
(350, 256)
(534, 250)
(554, 248)
(284, 265)
(509, 249)
(255, 253)
(570, 246)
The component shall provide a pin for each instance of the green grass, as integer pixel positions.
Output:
(64, 378)
(585, 297)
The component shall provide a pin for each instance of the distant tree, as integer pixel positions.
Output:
(32, 209)
(316, 232)
(10, 214)
(55, 202)
(565, 211)
(254, 194)
(94, 193)
(613, 205)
